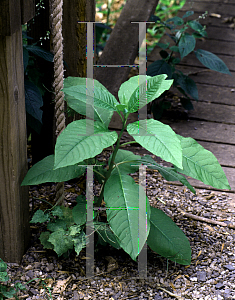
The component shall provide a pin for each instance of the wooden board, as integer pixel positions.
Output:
(204, 131)
(217, 7)
(209, 77)
(225, 2)
(10, 17)
(14, 207)
(220, 33)
(216, 94)
(75, 48)
(217, 47)
(213, 112)
(27, 10)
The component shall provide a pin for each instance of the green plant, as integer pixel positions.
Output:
(165, 9)
(80, 143)
(34, 88)
(184, 43)
(5, 290)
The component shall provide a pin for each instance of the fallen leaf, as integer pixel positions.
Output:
(61, 285)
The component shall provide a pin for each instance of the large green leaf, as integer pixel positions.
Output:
(186, 44)
(97, 94)
(125, 161)
(188, 14)
(126, 89)
(39, 51)
(44, 236)
(121, 195)
(187, 84)
(79, 211)
(40, 217)
(57, 225)
(25, 57)
(143, 89)
(176, 20)
(159, 67)
(169, 174)
(43, 172)
(100, 114)
(80, 241)
(211, 61)
(167, 239)
(62, 241)
(80, 140)
(157, 138)
(201, 164)
(33, 100)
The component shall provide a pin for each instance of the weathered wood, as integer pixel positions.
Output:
(217, 47)
(217, 8)
(225, 2)
(27, 10)
(213, 112)
(216, 94)
(10, 17)
(75, 48)
(14, 208)
(220, 33)
(209, 77)
(204, 131)
(122, 46)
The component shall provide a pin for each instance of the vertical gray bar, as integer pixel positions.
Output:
(142, 81)
(89, 80)
(142, 258)
(89, 223)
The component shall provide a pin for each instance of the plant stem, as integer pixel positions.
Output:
(127, 143)
(112, 161)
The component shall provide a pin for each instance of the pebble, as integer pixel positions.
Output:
(219, 285)
(229, 267)
(201, 276)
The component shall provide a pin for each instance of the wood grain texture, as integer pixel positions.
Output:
(204, 131)
(75, 11)
(14, 209)
(27, 10)
(10, 17)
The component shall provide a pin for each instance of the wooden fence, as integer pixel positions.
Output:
(14, 210)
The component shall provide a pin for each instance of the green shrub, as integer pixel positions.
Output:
(80, 143)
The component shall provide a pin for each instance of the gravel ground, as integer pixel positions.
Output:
(210, 276)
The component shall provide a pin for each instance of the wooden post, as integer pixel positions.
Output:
(75, 48)
(14, 209)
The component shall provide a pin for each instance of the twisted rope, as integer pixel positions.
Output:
(57, 12)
